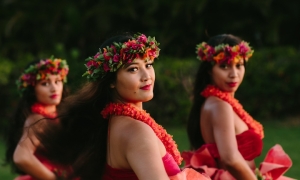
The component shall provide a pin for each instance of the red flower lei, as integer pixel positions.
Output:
(211, 90)
(141, 115)
(40, 109)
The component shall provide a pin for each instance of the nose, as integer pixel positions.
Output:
(233, 72)
(145, 75)
(146, 78)
(53, 87)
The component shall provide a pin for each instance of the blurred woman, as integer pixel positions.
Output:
(224, 138)
(105, 133)
(41, 88)
(217, 123)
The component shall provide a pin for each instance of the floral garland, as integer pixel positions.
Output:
(40, 70)
(40, 109)
(141, 115)
(118, 54)
(224, 53)
(211, 90)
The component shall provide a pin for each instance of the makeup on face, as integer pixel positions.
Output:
(49, 90)
(135, 82)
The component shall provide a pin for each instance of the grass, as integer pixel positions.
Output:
(286, 133)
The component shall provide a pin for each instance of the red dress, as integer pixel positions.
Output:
(249, 145)
(111, 173)
(171, 168)
(204, 159)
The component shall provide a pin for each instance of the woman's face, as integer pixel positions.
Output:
(49, 90)
(135, 82)
(228, 77)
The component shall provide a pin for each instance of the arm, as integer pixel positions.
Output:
(143, 153)
(24, 154)
(221, 116)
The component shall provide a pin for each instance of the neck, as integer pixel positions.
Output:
(138, 105)
(50, 108)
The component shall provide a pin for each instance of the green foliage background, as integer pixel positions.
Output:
(270, 88)
(74, 30)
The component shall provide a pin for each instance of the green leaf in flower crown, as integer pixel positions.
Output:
(89, 58)
(97, 70)
(100, 56)
(38, 77)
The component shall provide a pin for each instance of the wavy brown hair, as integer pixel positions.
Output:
(80, 139)
(16, 124)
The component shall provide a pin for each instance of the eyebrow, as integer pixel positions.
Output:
(129, 64)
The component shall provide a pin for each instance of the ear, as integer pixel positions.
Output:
(112, 86)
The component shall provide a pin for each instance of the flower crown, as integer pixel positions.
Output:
(40, 70)
(224, 53)
(110, 59)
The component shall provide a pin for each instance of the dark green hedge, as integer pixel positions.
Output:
(270, 88)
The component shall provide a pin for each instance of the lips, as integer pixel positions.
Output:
(147, 87)
(232, 84)
(53, 96)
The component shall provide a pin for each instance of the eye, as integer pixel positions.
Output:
(58, 81)
(239, 65)
(224, 66)
(45, 83)
(132, 69)
(150, 65)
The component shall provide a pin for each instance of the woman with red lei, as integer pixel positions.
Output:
(224, 138)
(41, 89)
(105, 133)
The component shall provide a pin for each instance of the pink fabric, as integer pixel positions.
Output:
(111, 173)
(276, 163)
(170, 165)
(189, 174)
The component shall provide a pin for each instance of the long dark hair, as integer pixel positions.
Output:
(201, 81)
(16, 124)
(80, 140)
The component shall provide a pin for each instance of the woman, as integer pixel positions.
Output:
(104, 131)
(224, 138)
(41, 88)
(224, 125)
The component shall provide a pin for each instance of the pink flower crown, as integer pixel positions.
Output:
(118, 54)
(40, 70)
(224, 53)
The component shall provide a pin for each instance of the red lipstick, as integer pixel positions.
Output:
(232, 84)
(147, 87)
(53, 96)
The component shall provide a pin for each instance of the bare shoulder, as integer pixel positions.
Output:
(133, 133)
(133, 128)
(216, 109)
(215, 104)
(32, 119)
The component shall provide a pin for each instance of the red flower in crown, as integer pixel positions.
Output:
(223, 53)
(41, 70)
(110, 59)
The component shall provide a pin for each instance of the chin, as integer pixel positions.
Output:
(146, 99)
(54, 103)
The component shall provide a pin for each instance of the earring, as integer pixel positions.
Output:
(112, 86)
